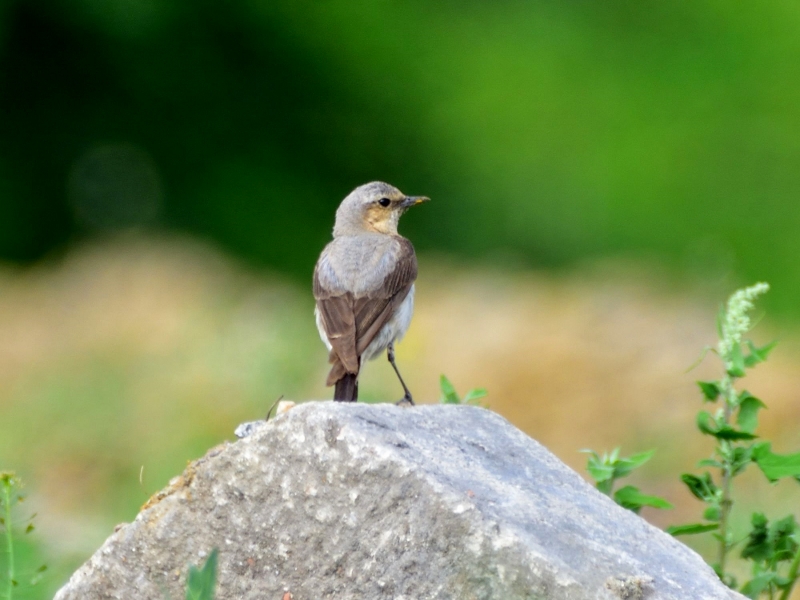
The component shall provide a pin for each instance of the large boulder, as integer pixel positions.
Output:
(334, 500)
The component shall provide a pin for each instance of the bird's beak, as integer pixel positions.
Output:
(410, 201)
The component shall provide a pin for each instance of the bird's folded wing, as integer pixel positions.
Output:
(338, 320)
(373, 313)
(350, 323)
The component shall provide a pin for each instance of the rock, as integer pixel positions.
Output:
(335, 500)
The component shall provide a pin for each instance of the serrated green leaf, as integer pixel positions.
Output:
(758, 355)
(622, 469)
(747, 417)
(775, 466)
(705, 423)
(701, 487)
(474, 395)
(624, 466)
(781, 536)
(708, 425)
(599, 471)
(710, 390)
(638, 459)
(692, 529)
(201, 583)
(753, 588)
(631, 498)
(449, 394)
(757, 547)
(726, 432)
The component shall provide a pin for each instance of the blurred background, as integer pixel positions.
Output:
(603, 175)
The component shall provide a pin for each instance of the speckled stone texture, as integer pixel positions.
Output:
(336, 500)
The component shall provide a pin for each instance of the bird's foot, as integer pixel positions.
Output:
(405, 401)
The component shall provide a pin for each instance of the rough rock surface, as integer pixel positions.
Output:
(357, 501)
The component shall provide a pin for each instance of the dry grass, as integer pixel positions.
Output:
(128, 358)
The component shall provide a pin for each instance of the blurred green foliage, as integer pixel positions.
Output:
(201, 582)
(549, 131)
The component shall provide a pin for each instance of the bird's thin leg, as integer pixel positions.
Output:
(390, 353)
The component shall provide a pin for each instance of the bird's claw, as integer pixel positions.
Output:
(405, 401)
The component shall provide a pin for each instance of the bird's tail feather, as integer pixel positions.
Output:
(346, 389)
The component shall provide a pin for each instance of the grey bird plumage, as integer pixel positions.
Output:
(364, 284)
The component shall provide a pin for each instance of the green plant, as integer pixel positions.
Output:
(772, 548)
(200, 583)
(606, 469)
(10, 496)
(450, 396)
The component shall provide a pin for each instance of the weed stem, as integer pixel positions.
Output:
(794, 572)
(726, 503)
(6, 484)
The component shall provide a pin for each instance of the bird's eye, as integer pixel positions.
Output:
(384, 202)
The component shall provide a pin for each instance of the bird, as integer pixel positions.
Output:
(364, 285)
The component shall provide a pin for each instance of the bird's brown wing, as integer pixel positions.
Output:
(352, 323)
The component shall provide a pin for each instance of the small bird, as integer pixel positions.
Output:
(364, 284)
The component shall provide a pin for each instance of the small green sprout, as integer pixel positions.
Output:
(201, 583)
(450, 396)
(606, 469)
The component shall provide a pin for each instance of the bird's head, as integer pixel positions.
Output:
(373, 207)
